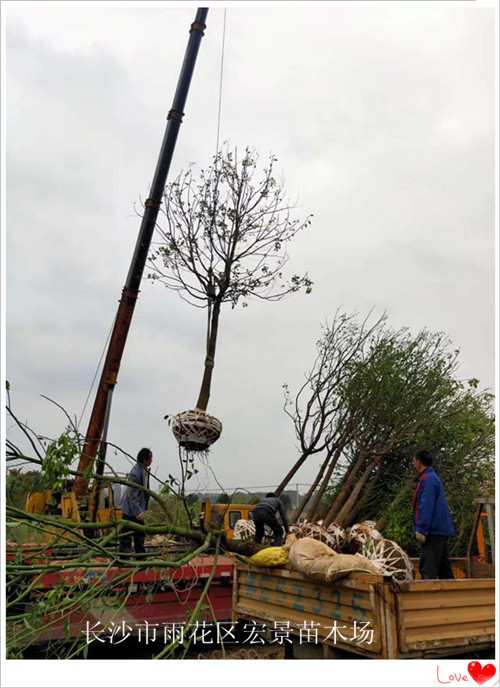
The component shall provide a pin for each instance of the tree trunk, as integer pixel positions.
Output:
(326, 480)
(344, 515)
(292, 472)
(347, 484)
(310, 491)
(204, 395)
(362, 503)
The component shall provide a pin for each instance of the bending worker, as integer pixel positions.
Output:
(432, 519)
(265, 514)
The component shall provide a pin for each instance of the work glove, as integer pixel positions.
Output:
(420, 537)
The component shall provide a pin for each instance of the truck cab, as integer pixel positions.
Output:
(223, 516)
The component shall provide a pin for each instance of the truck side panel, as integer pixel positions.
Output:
(434, 616)
(270, 595)
(409, 620)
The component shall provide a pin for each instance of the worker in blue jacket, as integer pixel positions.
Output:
(432, 519)
(135, 502)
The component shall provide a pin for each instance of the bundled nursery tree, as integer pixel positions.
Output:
(401, 389)
(322, 425)
(398, 392)
(464, 449)
(224, 238)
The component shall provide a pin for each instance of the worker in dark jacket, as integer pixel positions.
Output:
(135, 502)
(432, 519)
(265, 514)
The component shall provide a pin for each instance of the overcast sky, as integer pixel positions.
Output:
(383, 122)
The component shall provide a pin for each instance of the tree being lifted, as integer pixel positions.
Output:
(224, 240)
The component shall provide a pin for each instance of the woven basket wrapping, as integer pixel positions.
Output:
(390, 559)
(361, 533)
(333, 536)
(245, 530)
(339, 536)
(196, 430)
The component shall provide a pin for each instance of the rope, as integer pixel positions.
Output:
(220, 81)
(95, 374)
(219, 114)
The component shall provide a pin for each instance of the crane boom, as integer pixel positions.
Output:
(102, 403)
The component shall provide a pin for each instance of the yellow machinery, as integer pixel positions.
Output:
(65, 505)
(482, 538)
(224, 516)
(53, 503)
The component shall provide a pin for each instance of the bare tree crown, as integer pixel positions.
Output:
(224, 235)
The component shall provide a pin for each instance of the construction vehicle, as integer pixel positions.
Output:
(223, 516)
(152, 596)
(93, 501)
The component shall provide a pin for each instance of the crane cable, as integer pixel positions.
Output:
(219, 115)
(96, 372)
(221, 76)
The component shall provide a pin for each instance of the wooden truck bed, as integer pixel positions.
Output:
(411, 620)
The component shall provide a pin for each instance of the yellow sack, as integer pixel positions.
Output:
(271, 556)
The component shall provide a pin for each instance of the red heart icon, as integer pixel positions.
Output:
(481, 674)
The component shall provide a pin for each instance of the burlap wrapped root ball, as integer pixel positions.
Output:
(316, 560)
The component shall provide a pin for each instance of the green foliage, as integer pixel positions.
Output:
(19, 484)
(399, 521)
(244, 498)
(22, 533)
(464, 445)
(401, 386)
(59, 456)
(287, 500)
(402, 392)
(176, 509)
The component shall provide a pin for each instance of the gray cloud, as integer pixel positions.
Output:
(382, 119)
